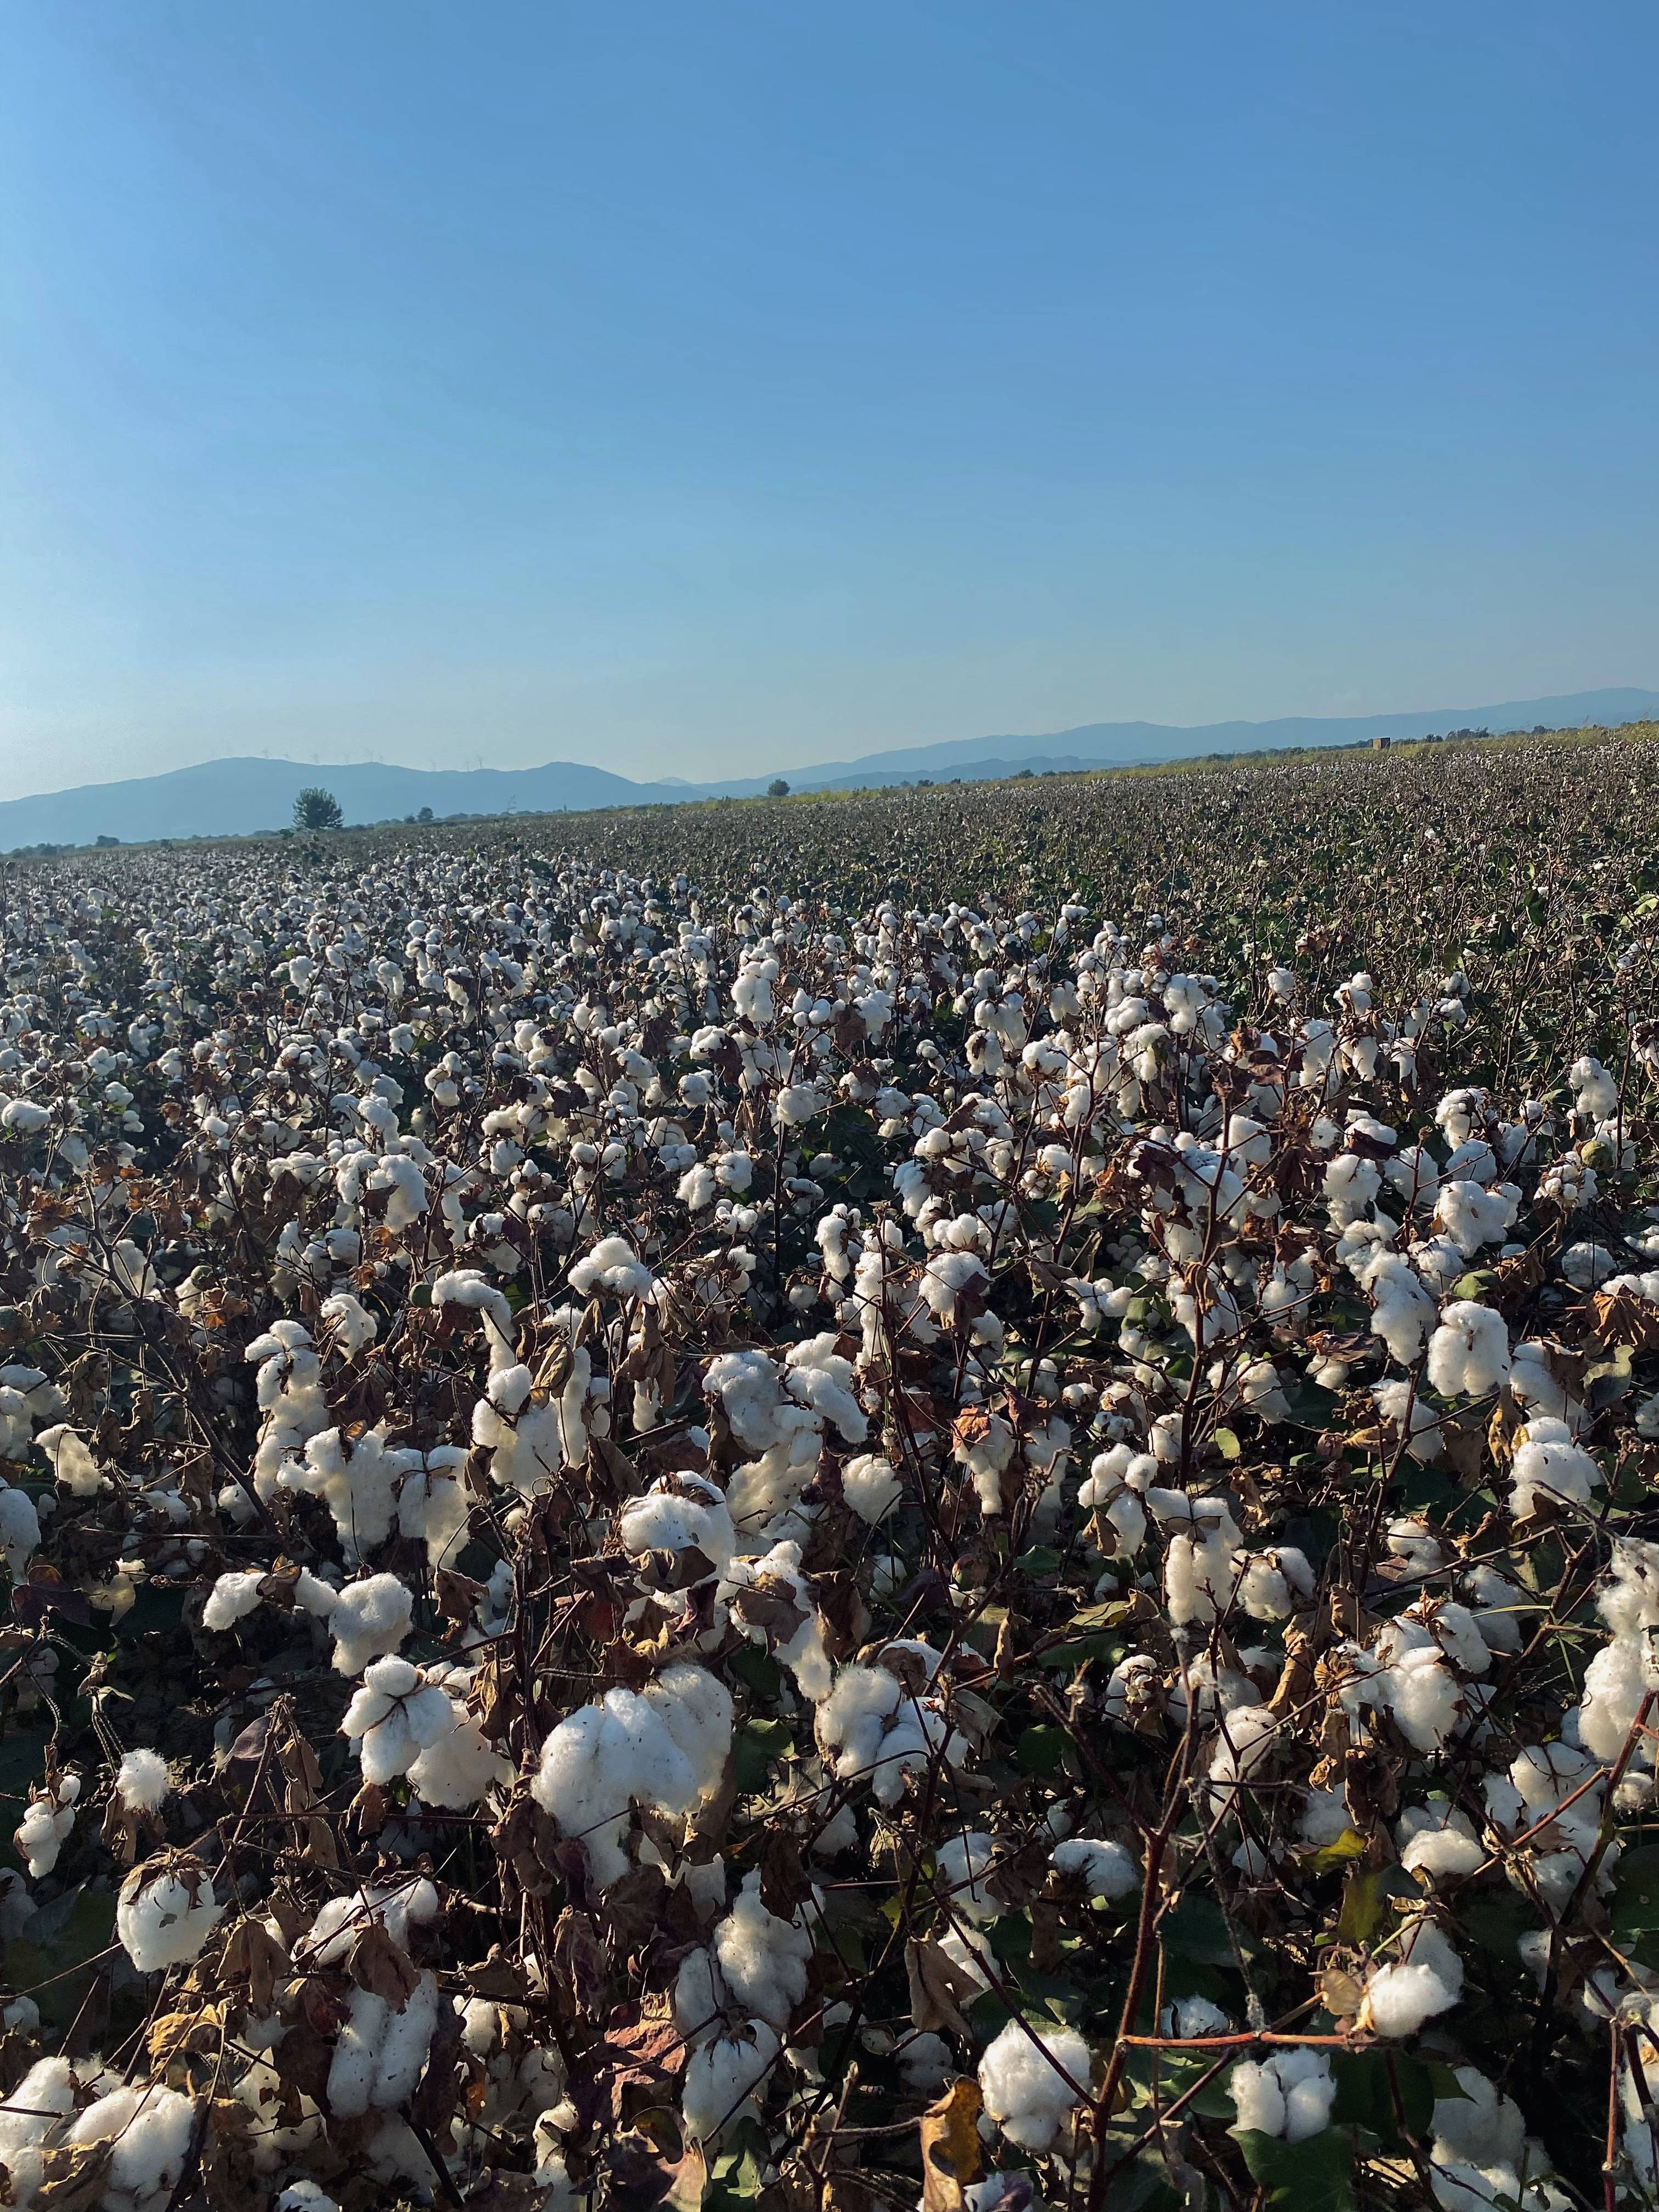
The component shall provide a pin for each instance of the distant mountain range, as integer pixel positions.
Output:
(231, 798)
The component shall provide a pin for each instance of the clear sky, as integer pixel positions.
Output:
(703, 386)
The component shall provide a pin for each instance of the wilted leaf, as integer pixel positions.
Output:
(382, 1966)
(950, 2146)
(938, 1989)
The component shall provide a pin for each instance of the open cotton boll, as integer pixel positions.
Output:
(152, 2130)
(1106, 1870)
(1189, 2016)
(370, 1618)
(963, 1862)
(873, 1729)
(352, 1323)
(29, 2119)
(762, 1959)
(72, 1463)
(1469, 1351)
(394, 1717)
(1427, 1979)
(166, 1912)
(1289, 2094)
(1032, 2081)
(1482, 2127)
(46, 1823)
(142, 1781)
(303, 2195)
(399, 1907)
(721, 2077)
(680, 1512)
(1548, 1464)
(380, 2053)
(613, 1266)
(1438, 1840)
(666, 1746)
(870, 1486)
(20, 1530)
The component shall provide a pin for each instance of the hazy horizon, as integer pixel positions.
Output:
(696, 393)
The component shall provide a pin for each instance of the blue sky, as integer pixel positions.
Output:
(704, 388)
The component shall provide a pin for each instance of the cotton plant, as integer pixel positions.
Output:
(672, 1399)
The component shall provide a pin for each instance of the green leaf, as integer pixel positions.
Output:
(1497, 1920)
(1362, 1908)
(1041, 1750)
(736, 2177)
(1142, 2187)
(62, 1936)
(1366, 2096)
(758, 1669)
(1227, 1444)
(1312, 1406)
(761, 1743)
(1314, 2175)
(1197, 1928)
(1039, 1560)
(23, 1761)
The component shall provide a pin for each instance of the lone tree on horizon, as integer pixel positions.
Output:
(317, 809)
(777, 788)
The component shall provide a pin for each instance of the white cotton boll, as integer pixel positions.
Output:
(1547, 1463)
(926, 2062)
(1469, 1351)
(356, 2063)
(871, 1487)
(370, 1618)
(1425, 1700)
(763, 1959)
(613, 1266)
(722, 2077)
(72, 1463)
(680, 1512)
(405, 2042)
(1483, 2126)
(231, 1599)
(165, 1912)
(1276, 1582)
(45, 1825)
(1258, 2099)
(962, 1864)
(1405, 1313)
(1472, 1217)
(1189, 2016)
(1247, 1740)
(142, 1781)
(1438, 1841)
(304, 2195)
(152, 2130)
(1289, 2094)
(1032, 2081)
(1427, 1979)
(700, 1997)
(1615, 1683)
(1597, 1090)
(666, 1747)
(20, 1530)
(353, 1325)
(508, 1388)
(25, 1117)
(1106, 1868)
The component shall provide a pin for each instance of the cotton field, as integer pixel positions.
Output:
(945, 1520)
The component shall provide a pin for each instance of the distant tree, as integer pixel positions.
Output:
(777, 788)
(109, 840)
(425, 815)
(317, 809)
